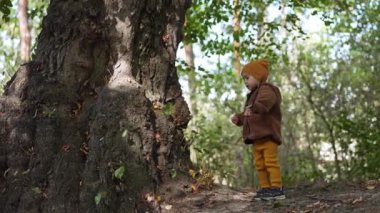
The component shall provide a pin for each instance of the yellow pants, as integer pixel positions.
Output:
(267, 166)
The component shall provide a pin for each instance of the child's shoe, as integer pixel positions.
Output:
(260, 193)
(274, 194)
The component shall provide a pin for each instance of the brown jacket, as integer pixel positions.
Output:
(265, 121)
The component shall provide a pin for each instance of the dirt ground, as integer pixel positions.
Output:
(307, 198)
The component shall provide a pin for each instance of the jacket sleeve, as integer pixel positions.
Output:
(265, 100)
(240, 118)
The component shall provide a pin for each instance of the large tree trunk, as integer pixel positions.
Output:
(101, 96)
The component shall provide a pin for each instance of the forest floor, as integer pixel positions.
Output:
(316, 197)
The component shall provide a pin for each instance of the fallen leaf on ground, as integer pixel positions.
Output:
(337, 205)
(194, 188)
(66, 147)
(371, 184)
(371, 187)
(242, 196)
(360, 199)
(168, 207)
(317, 206)
(149, 197)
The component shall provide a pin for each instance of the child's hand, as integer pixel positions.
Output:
(248, 111)
(235, 119)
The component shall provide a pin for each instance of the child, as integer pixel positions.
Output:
(261, 121)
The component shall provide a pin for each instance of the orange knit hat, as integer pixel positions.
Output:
(258, 69)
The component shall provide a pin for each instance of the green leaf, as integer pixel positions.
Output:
(119, 173)
(124, 134)
(100, 196)
(173, 173)
(168, 109)
(5, 6)
(36, 190)
(328, 23)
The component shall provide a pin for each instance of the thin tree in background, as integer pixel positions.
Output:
(189, 59)
(24, 30)
(236, 35)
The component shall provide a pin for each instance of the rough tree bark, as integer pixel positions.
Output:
(101, 94)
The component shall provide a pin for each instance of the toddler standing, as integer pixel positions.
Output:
(261, 121)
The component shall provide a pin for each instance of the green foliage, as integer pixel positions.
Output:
(338, 86)
(10, 34)
(363, 133)
(37, 190)
(98, 198)
(5, 9)
(173, 173)
(329, 86)
(214, 138)
(119, 172)
(168, 109)
(206, 18)
(212, 142)
(9, 51)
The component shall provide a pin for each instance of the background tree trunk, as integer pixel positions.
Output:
(24, 30)
(236, 35)
(100, 98)
(189, 54)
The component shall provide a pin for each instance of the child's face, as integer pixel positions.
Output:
(250, 82)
